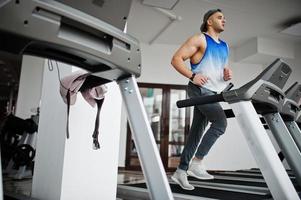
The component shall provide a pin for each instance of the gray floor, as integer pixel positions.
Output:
(21, 189)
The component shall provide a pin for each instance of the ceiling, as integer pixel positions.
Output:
(245, 19)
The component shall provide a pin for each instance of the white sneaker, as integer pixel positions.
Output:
(180, 177)
(198, 171)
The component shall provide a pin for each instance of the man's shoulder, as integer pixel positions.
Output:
(199, 35)
(198, 38)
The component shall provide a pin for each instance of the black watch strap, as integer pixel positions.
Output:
(192, 76)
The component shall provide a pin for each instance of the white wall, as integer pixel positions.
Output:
(156, 67)
(70, 169)
(92, 174)
(49, 160)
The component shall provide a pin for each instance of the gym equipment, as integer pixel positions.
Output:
(71, 36)
(290, 111)
(282, 134)
(257, 171)
(286, 138)
(18, 142)
(23, 155)
(264, 89)
(252, 178)
(11, 132)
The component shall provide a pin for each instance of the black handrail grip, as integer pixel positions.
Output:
(200, 100)
(229, 87)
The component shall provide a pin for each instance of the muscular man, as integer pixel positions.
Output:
(209, 72)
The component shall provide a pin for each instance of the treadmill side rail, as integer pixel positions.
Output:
(263, 152)
(286, 142)
(295, 131)
(146, 146)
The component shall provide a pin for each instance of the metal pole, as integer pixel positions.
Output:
(263, 151)
(146, 146)
(286, 143)
(293, 128)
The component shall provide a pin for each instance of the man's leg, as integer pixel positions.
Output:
(198, 126)
(217, 117)
(215, 114)
(199, 123)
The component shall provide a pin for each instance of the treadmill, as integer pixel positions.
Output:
(289, 114)
(283, 134)
(265, 88)
(55, 30)
(253, 179)
(298, 120)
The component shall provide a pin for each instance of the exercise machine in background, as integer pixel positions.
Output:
(18, 138)
(265, 88)
(290, 111)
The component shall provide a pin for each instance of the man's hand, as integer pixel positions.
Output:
(227, 74)
(200, 79)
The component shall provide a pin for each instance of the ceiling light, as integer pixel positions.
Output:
(294, 29)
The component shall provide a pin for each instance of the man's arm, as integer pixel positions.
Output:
(186, 51)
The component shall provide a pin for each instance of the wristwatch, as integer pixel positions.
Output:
(192, 76)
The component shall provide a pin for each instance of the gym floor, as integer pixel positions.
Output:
(21, 189)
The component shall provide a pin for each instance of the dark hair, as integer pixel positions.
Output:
(206, 17)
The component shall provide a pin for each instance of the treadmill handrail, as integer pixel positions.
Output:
(200, 100)
(259, 89)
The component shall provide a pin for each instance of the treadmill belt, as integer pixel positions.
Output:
(210, 193)
(256, 176)
(227, 181)
(237, 174)
(254, 171)
(293, 180)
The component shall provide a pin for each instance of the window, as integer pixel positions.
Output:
(170, 125)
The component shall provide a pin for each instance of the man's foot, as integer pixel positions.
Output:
(180, 177)
(198, 171)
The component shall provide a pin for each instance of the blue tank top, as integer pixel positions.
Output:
(212, 64)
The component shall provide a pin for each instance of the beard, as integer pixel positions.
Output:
(219, 29)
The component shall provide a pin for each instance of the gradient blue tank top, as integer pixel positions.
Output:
(212, 64)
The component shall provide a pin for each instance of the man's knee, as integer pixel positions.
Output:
(224, 123)
(220, 125)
